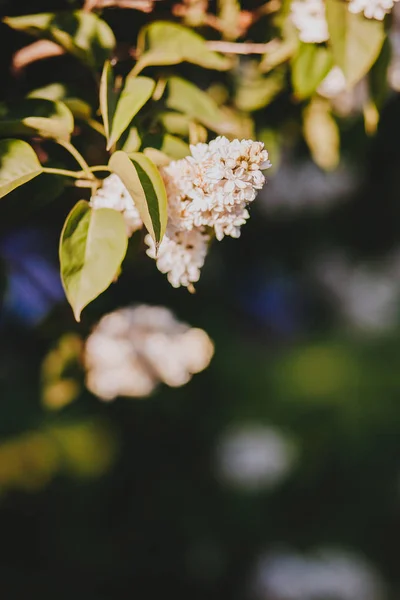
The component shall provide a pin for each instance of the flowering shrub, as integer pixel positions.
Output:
(181, 165)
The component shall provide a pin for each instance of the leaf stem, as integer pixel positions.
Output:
(64, 172)
(100, 168)
(96, 126)
(78, 157)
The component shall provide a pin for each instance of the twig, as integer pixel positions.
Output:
(240, 47)
(145, 6)
(35, 51)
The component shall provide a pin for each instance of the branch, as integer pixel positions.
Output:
(145, 6)
(240, 47)
(35, 51)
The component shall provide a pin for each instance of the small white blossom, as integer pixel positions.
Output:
(309, 18)
(113, 194)
(213, 186)
(181, 255)
(372, 9)
(132, 350)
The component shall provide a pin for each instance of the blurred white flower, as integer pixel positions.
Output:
(254, 457)
(213, 186)
(113, 194)
(329, 573)
(308, 16)
(394, 66)
(302, 185)
(132, 350)
(372, 9)
(333, 84)
(367, 298)
(181, 254)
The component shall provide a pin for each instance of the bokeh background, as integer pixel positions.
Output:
(275, 474)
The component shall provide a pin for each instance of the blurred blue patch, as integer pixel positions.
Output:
(33, 283)
(276, 301)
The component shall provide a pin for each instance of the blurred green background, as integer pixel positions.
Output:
(275, 474)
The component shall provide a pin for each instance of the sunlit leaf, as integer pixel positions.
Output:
(187, 98)
(18, 165)
(80, 33)
(172, 146)
(355, 40)
(164, 43)
(38, 116)
(130, 141)
(322, 134)
(92, 247)
(144, 183)
(229, 15)
(279, 53)
(254, 94)
(310, 66)
(58, 91)
(134, 95)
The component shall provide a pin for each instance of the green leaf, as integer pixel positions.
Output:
(80, 33)
(187, 98)
(108, 97)
(93, 245)
(18, 165)
(164, 43)
(310, 66)
(322, 134)
(134, 95)
(175, 123)
(130, 140)
(281, 52)
(58, 91)
(355, 40)
(144, 183)
(229, 15)
(38, 116)
(169, 144)
(378, 76)
(254, 94)
(174, 147)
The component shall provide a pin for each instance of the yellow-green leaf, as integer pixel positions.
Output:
(310, 65)
(355, 40)
(18, 165)
(187, 98)
(144, 183)
(255, 93)
(93, 245)
(38, 116)
(322, 134)
(108, 97)
(80, 33)
(134, 95)
(164, 43)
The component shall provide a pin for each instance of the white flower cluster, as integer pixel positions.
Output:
(329, 573)
(209, 190)
(254, 457)
(181, 255)
(308, 16)
(132, 350)
(113, 194)
(366, 297)
(372, 9)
